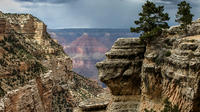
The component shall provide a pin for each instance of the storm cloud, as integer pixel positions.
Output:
(168, 2)
(174, 3)
(91, 13)
(85, 13)
(47, 1)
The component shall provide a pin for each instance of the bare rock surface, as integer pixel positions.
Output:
(98, 103)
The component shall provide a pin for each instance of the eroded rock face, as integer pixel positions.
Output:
(193, 29)
(142, 77)
(171, 70)
(121, 73)
(121, 66)
(35, 73)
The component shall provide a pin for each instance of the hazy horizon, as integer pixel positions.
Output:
(86, 28)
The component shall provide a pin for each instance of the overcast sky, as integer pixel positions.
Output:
(89, 13)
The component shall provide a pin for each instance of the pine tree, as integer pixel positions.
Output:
(151, 22)
(184, 16)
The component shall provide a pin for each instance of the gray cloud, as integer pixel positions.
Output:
(96, 13)
(47, 1)
(171, 2)
(175, 2)
(87, 13)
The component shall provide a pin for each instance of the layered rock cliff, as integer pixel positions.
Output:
(35, 73)
(142, 77)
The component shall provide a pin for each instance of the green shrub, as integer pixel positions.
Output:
(38, 68)
(2, 93)
(168, 53)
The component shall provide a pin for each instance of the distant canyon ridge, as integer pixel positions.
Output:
(86, 47)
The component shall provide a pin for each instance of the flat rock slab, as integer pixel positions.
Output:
(94, 104)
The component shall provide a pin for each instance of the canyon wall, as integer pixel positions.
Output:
(35, 73)
(152, 77)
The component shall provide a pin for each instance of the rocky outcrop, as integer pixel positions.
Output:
(193, 29)
(143, 77)
(36, 75)
(97, 104)
(120, 72)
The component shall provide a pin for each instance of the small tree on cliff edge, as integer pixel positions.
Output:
(151, 22)
(184, 16)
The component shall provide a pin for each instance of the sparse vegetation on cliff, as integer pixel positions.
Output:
(167, 53)
(2, 93)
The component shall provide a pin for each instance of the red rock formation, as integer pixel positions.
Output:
(85, 52)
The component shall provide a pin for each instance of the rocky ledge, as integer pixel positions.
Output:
(143, 77)
(120, 73)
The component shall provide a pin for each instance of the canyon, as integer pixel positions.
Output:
(86, 47)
